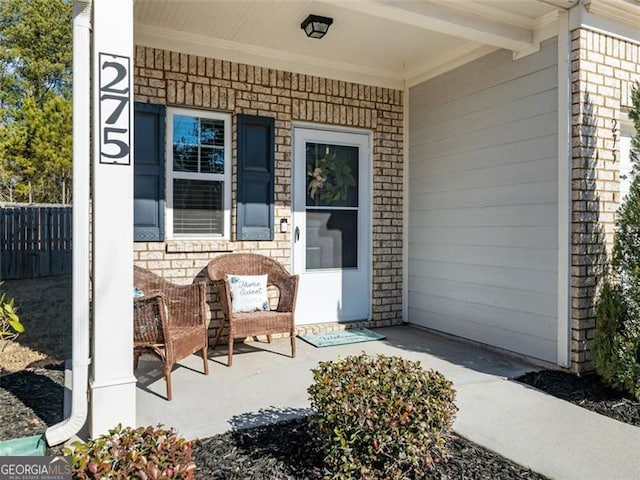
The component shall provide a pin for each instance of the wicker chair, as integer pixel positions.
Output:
(280, 320)
(169, 320)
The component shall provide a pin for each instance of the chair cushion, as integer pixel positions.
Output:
(248, 293)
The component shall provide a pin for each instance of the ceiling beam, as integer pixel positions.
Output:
(447, 61)
(442, 19)
(565, 4)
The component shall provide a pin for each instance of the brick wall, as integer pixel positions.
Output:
(603, 70)
(179, 79)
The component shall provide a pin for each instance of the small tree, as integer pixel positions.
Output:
(617, 343)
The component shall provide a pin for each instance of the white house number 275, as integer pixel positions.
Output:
(115, 109)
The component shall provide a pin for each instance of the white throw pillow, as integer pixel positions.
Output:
(248, 293)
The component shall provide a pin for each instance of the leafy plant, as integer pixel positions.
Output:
(144, 453)
(381, 417)
(10, 326)
(330, 179)
(617, 341)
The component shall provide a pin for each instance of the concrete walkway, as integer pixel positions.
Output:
(550, 436)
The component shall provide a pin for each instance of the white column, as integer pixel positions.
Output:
(113, 385)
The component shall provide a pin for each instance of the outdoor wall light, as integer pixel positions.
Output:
(284, 226)
(316, 26)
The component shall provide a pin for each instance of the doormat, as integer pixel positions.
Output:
(340, 337)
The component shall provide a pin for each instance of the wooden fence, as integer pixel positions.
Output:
(35, 241)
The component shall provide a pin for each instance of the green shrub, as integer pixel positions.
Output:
(612, 313)
(381, 417)
(617, 341)
(626, 249)
(145, 453)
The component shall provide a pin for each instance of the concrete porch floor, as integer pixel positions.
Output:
(265, 384)
(551, 436)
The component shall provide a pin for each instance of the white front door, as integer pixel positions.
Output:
(331, 225)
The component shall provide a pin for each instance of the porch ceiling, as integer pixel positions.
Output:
(390, 43)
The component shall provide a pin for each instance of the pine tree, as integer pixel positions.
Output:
(626, 253)
(35, 100)
(617, 343)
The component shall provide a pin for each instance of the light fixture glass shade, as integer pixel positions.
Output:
(316, 26)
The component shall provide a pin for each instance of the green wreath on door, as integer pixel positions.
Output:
(330, 179)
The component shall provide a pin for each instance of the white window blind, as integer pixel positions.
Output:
(198, 173)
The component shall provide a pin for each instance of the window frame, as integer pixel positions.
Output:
(171, 175)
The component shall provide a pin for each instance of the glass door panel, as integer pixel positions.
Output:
(331, 206)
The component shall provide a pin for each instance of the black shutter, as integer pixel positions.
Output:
(148, 171)
(256, 145)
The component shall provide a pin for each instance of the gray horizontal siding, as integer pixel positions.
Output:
(483, 188)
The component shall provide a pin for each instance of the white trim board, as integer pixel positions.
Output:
(579, 17)
(564, 191)
(405, 209)
(618, 11)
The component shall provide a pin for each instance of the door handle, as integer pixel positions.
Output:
(296, 235)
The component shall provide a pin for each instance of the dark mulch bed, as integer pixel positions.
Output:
(286, 451)
(32, 400)
(587, 391)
